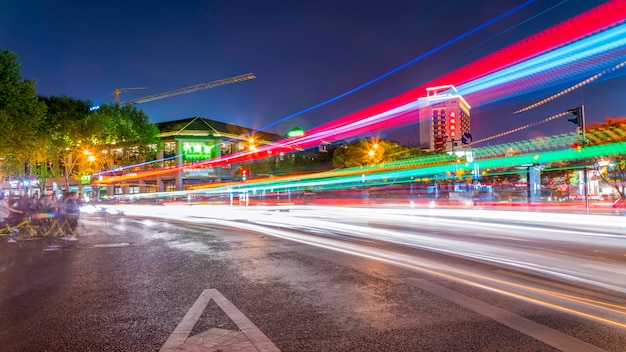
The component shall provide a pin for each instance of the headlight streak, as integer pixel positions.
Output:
(589, 308)
(536, 262)
(587, 228)
(456, 275)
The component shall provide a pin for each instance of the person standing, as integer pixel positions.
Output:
(5, 209)
(35, 204)
(69, 210)
(49, 204)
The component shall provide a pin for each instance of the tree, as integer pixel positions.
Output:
(21, 115)
(615, 175)
(66, 126)
(612, 130)
(612, 167)
(83, 142)
(122, 135)
(369, 152)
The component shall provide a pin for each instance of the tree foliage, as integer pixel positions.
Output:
(84, 142)
(123, 135)
(368, 152)
(21, 115)
(60, 137)
(610, 131)
(612, 167)
(66, 126)
(310, 160)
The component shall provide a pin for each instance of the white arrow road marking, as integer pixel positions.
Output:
(256, 340)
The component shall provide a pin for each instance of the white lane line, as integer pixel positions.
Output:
(177, 339)
(111, 245)
(528, 327)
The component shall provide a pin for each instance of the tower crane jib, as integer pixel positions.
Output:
(193, 88)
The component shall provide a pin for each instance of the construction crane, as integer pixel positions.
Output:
(189, 89)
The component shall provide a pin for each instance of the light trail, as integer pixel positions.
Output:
(298, 224)
(515, 130)
(595, 20)
(605, 37)
(404, 170)
(403, 66)
(579, 58)
(286, 145)
(572, 88)
(513, 27)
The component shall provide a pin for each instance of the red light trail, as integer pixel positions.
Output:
(401, 109)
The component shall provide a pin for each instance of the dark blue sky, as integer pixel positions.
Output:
(302, 52)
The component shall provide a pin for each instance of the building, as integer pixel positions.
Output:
(444, 120)
(186, 142)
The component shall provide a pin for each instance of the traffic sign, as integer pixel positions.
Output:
(466, 138)
(439, 143)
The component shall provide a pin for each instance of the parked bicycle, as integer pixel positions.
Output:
(36, 226)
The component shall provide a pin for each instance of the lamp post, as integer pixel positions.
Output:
(372, 151)
(93, 167)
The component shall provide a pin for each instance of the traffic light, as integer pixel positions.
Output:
(244, 174)
(578, 118)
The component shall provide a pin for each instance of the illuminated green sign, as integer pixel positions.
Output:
(295, 132)
(200, 150)
(85, 180)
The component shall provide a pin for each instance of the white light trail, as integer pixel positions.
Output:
(523, 242)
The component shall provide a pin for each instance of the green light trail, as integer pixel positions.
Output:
(419, 168)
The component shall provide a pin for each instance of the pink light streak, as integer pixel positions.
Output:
(400, 109)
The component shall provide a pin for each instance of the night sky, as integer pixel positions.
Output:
(302, 52)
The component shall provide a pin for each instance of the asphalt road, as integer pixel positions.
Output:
(126, 284)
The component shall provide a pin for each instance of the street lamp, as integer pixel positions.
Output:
(373, 148)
